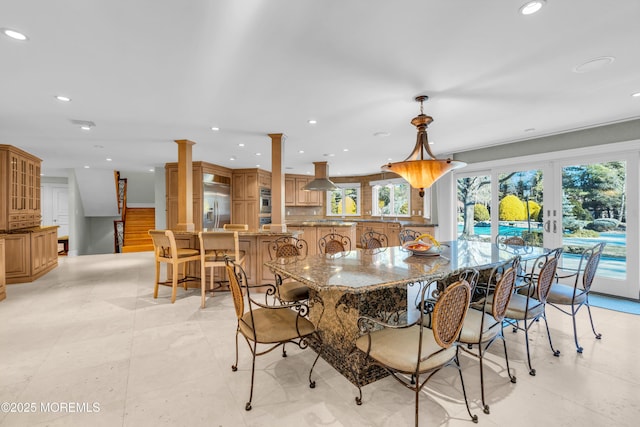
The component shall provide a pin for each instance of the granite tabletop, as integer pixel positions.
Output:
(364, 270)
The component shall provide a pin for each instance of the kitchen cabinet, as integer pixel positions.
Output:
(30, 253)
(294, 195)
(19, 189)
(198, 173)
(246, 186)
(309, 235)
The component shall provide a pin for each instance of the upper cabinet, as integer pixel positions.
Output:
(294, 195)
(19, 189)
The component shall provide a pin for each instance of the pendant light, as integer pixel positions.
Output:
(419, 172)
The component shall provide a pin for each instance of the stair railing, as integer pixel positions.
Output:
(118, 225)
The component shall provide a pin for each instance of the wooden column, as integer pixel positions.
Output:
(185, 186)
(277, 177)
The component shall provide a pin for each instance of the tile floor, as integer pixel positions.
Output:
(90, 331)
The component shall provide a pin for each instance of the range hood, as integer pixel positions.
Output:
(321, 181)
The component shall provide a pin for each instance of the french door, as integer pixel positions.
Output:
(573, 202)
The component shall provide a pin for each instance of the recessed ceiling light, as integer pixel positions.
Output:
(258, 154)
(312, 121)
(345, 149)
(215, 129)
(593, 64)
(85, 127)
(86, 167)
(257, 166)
(530, 130)
(16, 35)
(108, 159)
(152, 170)
(329, 155)
(232, 158)
(531, 7)
(63, 98)
(241, 145)
(300, 151)
(382, 134)
(636, 95)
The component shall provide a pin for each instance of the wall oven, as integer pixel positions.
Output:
(265, 201)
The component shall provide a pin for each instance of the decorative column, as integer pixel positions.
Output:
(185, 186)
(277, 177)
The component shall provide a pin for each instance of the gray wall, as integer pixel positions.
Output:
(140, 187)
(608, 134)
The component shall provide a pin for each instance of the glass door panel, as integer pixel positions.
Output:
(594, 209)
(520, 205)
(474, 207)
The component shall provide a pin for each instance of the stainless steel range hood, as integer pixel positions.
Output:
(321, 181)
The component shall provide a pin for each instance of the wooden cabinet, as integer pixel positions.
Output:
(309, 235)
(30, 254)
(294, 195)
(3, 282)
(393, 233)
(19, 189)
(349, 231)
(246, 189)
(200, 169)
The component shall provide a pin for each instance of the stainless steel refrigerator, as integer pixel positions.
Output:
(216, 204)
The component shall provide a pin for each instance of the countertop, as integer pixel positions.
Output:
(248, 233)
(30, 229)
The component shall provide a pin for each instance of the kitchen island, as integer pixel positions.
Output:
(312, 231)
(255, 245)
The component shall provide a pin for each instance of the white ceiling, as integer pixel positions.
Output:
(148, 72)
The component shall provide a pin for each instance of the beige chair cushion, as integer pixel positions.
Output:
(470, 333)
(275, 325)
(219, 256)
(517, 306)
(398, 349)
(185, 252)
(563, 294)
(293, 291)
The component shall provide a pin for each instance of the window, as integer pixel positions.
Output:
(344, 201)
(391, 198)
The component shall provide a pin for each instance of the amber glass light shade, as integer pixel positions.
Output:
(422, 173)
(418, 171)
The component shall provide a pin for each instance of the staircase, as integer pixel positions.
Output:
(136, 227)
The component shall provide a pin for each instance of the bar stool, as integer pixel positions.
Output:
(166, 251)
(235, 227)
(215, 248)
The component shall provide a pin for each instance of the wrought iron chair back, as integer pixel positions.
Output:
(408, 235)
(373, 240)
(333, 243)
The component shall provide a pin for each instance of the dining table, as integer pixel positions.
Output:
(381, 283)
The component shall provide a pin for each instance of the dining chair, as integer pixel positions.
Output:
(215, 248)
(576, 296)
(264, 324)
(529, 302)
(408, 235)
(166, 251)
(235, 227)
(409, 351)
(483, 324)
(289, 249)
(373, 240)
(333, 243)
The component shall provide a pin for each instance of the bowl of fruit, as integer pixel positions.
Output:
(424, 245)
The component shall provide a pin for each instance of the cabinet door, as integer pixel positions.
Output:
(17, 255)
(393, 232)
(239, 185)
(314, 198)
(302, 196)
(290, 191)
(239, 213)
(251, 183)
(38, 252)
